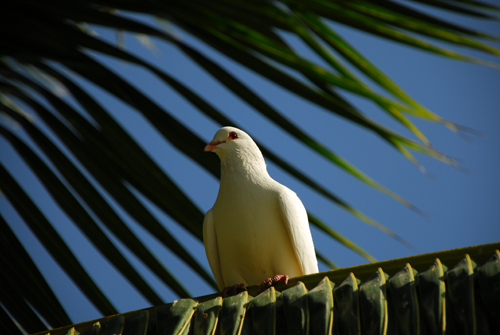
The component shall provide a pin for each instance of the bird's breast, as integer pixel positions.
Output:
(252, 240)
(246, 217)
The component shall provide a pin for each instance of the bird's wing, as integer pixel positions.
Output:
(211, 248)
(297, 225)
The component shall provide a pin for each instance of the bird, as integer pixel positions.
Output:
(257, 231)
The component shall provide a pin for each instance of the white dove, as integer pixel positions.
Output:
(258, 230)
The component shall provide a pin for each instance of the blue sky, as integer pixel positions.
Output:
(462, 207)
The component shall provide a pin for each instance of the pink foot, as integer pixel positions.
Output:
(271, 281)
(233, 290)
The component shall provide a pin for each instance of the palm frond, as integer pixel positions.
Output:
(98, 174)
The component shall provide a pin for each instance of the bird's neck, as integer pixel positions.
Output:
(244, 167)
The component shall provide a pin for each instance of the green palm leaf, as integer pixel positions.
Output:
(98, 174)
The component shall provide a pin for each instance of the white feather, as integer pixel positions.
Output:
(257, 227)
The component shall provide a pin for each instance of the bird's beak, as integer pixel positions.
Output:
(211, 146)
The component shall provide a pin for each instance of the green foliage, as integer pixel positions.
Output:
(433, 301)
(49, 43)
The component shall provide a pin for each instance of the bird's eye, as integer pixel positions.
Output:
(232, 135)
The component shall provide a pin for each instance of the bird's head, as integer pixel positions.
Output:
(227, 140)
(233, 144)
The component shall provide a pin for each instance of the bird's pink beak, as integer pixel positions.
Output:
(211, 146)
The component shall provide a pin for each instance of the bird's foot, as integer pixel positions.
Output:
(233, 290)
(271, 281)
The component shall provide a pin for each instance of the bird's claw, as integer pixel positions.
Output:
(271, 281)
(233, 290)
